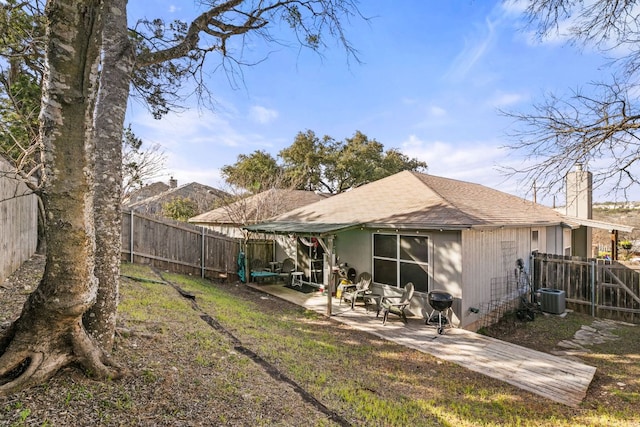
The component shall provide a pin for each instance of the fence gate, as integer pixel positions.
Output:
(607, 290)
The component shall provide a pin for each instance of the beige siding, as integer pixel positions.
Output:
(18, 221)
(354, 248)
(487, 255)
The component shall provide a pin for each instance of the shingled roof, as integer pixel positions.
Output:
(258, 207)
(203, 195)
(418, 201)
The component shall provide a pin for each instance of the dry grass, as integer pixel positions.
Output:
(233, 356)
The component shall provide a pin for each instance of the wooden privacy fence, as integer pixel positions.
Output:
(607, 290)
(178, 247)
(18, 221)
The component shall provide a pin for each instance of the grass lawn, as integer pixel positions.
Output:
(234, 356)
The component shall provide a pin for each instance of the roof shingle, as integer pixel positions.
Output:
(416, 200)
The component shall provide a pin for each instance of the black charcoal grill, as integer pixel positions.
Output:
(441, 302)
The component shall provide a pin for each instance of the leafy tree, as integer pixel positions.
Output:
(91, 64)
(327, 165)
(180, 209)
(597, 123)
(254, 172)
(304, 159)
(22, 47)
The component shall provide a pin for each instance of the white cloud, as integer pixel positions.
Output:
(188, 128)
(514, 7)
(262, 115)
(473, 52)
(436, 111)
(504, 99)
(472, 161)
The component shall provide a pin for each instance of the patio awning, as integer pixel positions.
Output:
(301, 228)
(599, 224)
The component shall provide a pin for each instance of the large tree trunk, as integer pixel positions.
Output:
(49, 333)
(115, 76)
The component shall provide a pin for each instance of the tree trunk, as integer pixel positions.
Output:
(49, 333)
(115, 76)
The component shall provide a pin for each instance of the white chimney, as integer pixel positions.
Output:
(580, 193)
(579, 205)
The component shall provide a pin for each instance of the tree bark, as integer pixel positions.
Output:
(49, 333)
(115, 77)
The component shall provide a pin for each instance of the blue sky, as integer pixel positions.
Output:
(432, 78)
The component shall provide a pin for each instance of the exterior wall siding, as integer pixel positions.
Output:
(490, 260)
(489, 257)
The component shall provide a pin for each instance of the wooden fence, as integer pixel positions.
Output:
(184, 248)
(18, 221)
(607, 290)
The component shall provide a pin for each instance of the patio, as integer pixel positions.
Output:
(561, 380)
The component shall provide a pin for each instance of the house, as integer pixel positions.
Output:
(229, 219)
(147, 191)
(439, 233)
(204, 196)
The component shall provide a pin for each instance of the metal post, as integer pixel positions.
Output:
(593, 288)
(532, 274)
(330, 277)
(131, 237)
(202, 248)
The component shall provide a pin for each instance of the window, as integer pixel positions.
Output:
(534, 240)
(398, 259)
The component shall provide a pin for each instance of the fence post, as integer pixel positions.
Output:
(532, 271)
(593, 288)
(202, 254)
(131, 237)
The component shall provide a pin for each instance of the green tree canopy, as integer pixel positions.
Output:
(180, 209)
(320, 164)
(21, 50)
(255, 172)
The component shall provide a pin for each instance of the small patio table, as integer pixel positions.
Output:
(377, 298)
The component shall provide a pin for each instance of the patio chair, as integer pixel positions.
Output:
(285, 270)
(358, 290)
(397, 305)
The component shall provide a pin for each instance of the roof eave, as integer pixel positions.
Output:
(310, 229)
(577, 222)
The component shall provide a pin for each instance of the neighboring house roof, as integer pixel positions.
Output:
(203, 195)
(258, 207)
(147, 191)
(417, 201)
